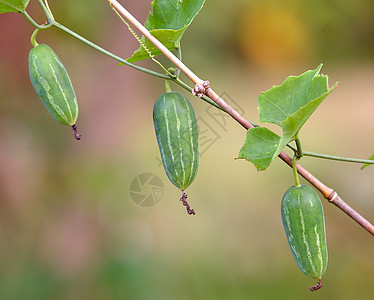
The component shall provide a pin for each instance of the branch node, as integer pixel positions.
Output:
(200, 89)
(332, 197)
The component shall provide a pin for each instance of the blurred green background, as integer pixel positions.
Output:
(68, 227)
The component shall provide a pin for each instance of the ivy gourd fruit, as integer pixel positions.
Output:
(304, 223)
(53, 85)
(177, 136)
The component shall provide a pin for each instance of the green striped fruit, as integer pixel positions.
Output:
(177, 136)
(304, 224)
(53, 85)
(176, 131)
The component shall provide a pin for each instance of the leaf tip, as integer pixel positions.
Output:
(368, 164)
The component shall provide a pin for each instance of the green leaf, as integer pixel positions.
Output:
(169, 21)
(259, 147)
(366, 165)
(13, 5)
(289, 106)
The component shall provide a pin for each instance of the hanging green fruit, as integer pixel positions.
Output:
(53, 85)
(304, 224)
(177, 136)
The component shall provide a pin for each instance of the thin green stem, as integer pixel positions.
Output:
(179, 55)
(294, 168)
(188, 88)
(328, 193)
(49, 10)
(339, 158)
(34, 23)
(167, 86)
(141, 42)
(121, 60)
(334, 157)
(107, 53)
(299, 149)
(164, 50)
(46, 10)
(183, 85)
(253, 124)
(33, 37)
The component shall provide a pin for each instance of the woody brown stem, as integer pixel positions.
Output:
(133, 21)
(327, 192)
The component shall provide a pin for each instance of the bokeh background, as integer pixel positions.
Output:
(68, 227)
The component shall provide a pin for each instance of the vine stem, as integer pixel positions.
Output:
(49, 10)
(297, 181)
(111, 55)
(300, 152)
(133, 21)
(33, 37)
(32, 21)
(167, 86)
(326, 191)
(120, 59)
(124, 61)
(334, 157)
(46, 10)
(53, 22)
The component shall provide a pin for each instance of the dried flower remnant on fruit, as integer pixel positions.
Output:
(317, 286)
(190, 210)
(75, 132)
(200, 89)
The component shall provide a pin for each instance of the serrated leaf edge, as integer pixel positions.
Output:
(290, 77)
(241, 156)
(188, 24)
(175, 30)
(152, 31)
